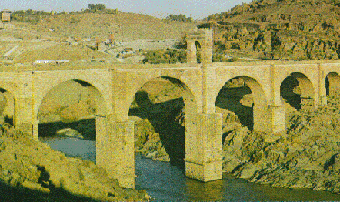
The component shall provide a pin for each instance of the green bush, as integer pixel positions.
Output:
(170, 56)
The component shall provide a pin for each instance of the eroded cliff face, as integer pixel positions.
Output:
(273, 29)
(32, 170)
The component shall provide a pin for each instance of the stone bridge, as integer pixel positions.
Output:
(201, 82)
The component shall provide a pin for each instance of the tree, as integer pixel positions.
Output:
(96, 7)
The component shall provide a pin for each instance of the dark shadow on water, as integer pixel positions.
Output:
(287, 93)
(87, 127)
(162, 117)
(229, 99)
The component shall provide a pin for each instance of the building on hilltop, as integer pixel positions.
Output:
(6, 15)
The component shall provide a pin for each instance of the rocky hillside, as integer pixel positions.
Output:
(124, 26)
(279, 29)
(306, 157)
(32, 171)
(77, 36)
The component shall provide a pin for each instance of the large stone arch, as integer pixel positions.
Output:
(44, 82)
(70, 101)
(188, 96)
(260, 111)
(298, 90)
(184, 132)
(332, 84)
(125, 90)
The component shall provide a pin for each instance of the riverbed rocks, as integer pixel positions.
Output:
(27, 163)
(306, 157)
(148, 142)
(69, 132)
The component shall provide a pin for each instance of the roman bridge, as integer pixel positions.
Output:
(115, 85)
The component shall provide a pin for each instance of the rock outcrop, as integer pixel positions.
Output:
(306, 157)
(272, 29)
(29, 164)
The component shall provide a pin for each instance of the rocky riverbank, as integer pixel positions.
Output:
(306, 156)
(32, 170)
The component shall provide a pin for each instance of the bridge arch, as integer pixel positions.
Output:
(44, 82)
(252, 111)
(170, 107)
(332, 84)
(189, 96)
(298, 91)
(68, 102)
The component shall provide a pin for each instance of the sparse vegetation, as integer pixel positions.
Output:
(170, 56)
(179, 18)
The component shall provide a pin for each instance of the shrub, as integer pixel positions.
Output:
(170, 56)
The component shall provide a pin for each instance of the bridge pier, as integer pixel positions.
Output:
(115, 149)
(270, 119)
(23, 115)
(203, 150)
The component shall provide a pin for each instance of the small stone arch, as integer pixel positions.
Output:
(298, 91)
(199, 46)
(332, 84)
(68, 102)
(255, 107)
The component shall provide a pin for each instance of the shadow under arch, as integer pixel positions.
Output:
(72, 104)
(245, 97)
(7, 107)
(332, 84)
(167, 103)
(298, 91)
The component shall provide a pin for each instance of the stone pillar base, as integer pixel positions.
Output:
(204, 172)
(115, 150)
(203, 159)
(26, 128)
(278, 118)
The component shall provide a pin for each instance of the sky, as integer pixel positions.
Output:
(196, 9)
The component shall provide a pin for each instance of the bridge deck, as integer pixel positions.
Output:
(103, 65)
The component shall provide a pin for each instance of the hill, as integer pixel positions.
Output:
(124, 26)
(72, 36)
(279, 29)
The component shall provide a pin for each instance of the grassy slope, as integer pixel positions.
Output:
(125, 26)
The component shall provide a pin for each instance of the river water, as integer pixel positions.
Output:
(165, 182)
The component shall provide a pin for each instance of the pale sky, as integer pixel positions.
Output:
(197, 9)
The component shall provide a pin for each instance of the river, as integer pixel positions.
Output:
(165, 182)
